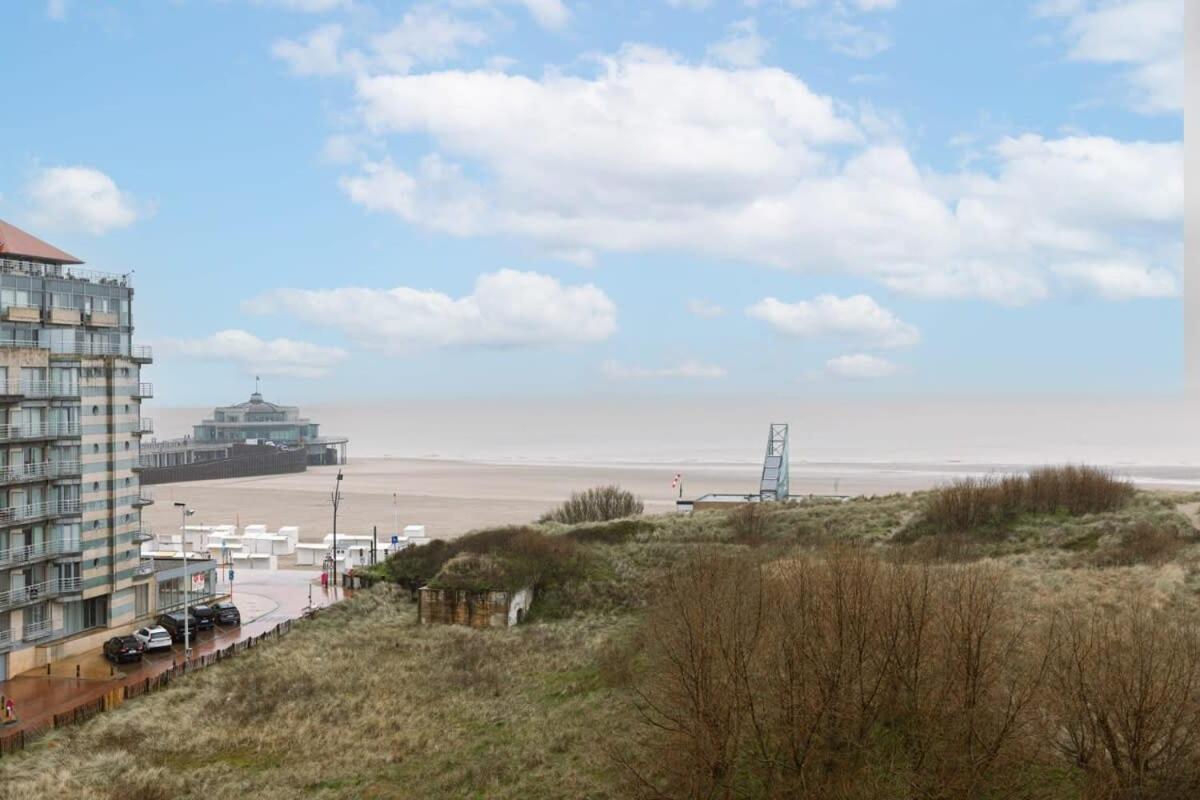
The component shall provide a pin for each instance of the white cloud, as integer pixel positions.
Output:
(316, 53)
(858, 318)
(551, 14)
(56, 9)
(703, 308)
(860, 367)
(1146, 36)
(743, 47)
(616, 371)
(308, 6)
(1117, 280)
(265, 357)
(849, 38)
(506, 309)
(425, 35)
(653, 154)
(80, 199)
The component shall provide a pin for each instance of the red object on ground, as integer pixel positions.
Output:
(324, 580)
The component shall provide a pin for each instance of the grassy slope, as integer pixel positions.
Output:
(363, 703)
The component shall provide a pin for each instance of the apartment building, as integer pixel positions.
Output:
(70, 427)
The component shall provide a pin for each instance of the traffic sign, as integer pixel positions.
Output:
(231, 576)
(395, 539)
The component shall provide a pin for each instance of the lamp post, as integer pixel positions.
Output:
(184, 513)
(337, 500)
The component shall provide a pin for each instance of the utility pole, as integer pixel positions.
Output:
(337, 500)
(184, 513)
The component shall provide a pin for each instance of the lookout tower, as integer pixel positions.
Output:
(774, 484)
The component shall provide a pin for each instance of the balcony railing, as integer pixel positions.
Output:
(144, 570)
(38, 389)
(40, 591)
(34, 552)
(36, 630)
(144, 425)
(135, 352)
(43, 430)
(144, 535)
(6, 638)
(144, 497)
(143, 462)
(40, 471)
(63, 272)
(144, 391)
(14, 515)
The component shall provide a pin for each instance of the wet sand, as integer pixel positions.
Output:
(451, 497)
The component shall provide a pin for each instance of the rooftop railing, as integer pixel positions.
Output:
(67, 272)
(42, 430)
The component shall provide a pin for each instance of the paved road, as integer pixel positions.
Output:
(265, 599)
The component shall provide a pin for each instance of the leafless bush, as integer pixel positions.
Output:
(798, 678)
(1127, 701)
(1145, 543)
(747, 521)
(972, 504)
(599, 504)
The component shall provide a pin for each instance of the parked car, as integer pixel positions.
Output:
(123, 648)
(175, 623)
(204, 616)
(227, 613)
(153, 638)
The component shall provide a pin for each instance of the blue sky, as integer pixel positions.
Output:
(362, 199)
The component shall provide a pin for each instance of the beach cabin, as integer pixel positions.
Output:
(310, 554)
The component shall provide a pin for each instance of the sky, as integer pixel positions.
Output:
(361, 200)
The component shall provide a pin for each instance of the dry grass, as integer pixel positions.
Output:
(362, 702)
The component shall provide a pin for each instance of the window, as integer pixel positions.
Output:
(95, 612)
(141, 600)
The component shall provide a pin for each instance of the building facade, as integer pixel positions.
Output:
(70, 429)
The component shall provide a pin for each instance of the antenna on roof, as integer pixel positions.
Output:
(256, 380)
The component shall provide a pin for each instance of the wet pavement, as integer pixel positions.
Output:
(264, 598)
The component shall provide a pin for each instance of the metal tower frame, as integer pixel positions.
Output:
(774, 484)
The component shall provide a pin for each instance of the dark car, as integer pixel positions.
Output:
(176, 623)
(204, 616)
(123, 648)
(227, 613)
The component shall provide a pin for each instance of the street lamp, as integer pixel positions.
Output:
(337, 500)
(184, 513)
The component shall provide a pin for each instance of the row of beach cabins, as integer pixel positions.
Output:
(257, 548)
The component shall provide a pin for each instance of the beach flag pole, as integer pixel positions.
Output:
(678, 482)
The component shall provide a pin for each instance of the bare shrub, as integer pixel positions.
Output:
(599, 504)
(747, 521)
(1127, 702)
(799, 678)
(972, 504)
(1145, 543)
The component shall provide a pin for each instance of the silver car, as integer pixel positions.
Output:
(153, 639)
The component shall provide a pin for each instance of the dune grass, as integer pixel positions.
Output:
(363, 702)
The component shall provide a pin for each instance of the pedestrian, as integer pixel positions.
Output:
(10, 710)
(324, 579)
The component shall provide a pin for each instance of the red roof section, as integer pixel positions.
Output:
(16, 242)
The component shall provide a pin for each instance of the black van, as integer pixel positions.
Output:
(204, 617)
(176, 622)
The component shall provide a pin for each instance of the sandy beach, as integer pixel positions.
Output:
(451, 497)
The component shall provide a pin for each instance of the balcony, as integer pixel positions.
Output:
(34, 512)
(36, 390)
(36, 630)
(40, 471)
(23, 314)
(45, 430)
(144, 535)
(38, 592)
(63, 316)
(144, 497)
(142, 354)
(143, 426)
(142, 462)
(143, 570)
(103, 319)
(31, 553)
(144, 391)
(6, 639)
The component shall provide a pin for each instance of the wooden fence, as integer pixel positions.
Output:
(116, 696)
